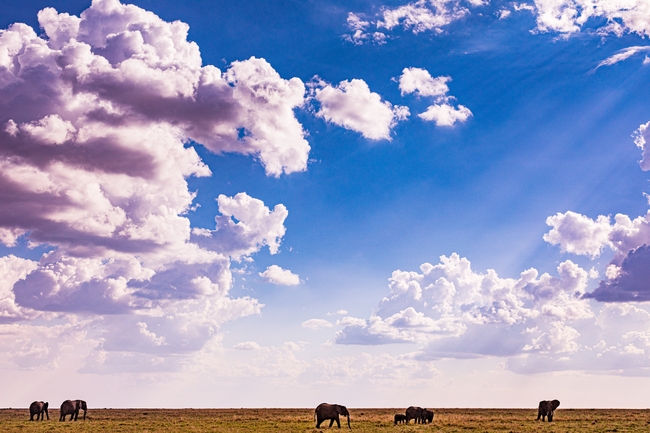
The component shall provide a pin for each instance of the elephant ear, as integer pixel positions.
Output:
(555, 404)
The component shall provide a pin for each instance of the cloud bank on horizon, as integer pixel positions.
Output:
(101, 117)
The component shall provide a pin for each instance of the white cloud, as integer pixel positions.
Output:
(450, 307)
(578, 234)
(446, 115)
(418, 16)
(504, 13)
(316, 324)
(562, 16)
(622, 55)
(420, 82)
(353, 106)
(247, 345)
(338, 313)
(13, 269)
(276, 275)
(641, 137)
(422, 15)
(95, 161)
(538, 322)
(569, 16)
(244, 226)
(629, 270)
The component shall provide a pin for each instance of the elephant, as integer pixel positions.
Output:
(414, 413)
(331, 411)
(399, 418)
(427, 416)
(38, 408)
(546, 409)
(71, 407)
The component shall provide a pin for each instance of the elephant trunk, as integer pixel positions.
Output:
(349, 422)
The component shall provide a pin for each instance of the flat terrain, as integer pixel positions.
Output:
(302, 420)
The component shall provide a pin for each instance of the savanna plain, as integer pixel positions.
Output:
(302, 420)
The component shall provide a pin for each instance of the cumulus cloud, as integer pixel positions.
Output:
(630, 282)
(419, 16)
(560, 16)
(12, 270)
(537, 322)
(627, 275)
(244, 226)
(579, 234)
(99, 119)
(353, 106)
(569, 16)
(274, 274)
(451, 308)
(420, 82)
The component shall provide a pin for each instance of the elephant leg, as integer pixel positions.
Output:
(331, 422)
(338, 422)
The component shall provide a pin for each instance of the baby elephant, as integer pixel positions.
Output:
(546, 409)
(38, 408)
(400, 418)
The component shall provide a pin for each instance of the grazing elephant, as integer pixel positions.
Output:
(331, 411)
(38, 408)
(546, 409)
(414, 413)
(427, 416)
(399, 418)
(71, 407)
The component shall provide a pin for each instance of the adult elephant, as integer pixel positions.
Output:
(546, 409)
(38, 408)
(427, 416)
(332, 412)
(414, 413)
(72, 407)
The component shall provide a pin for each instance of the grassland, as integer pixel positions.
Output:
(302, 421)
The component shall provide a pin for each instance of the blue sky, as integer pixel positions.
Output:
(448, 194)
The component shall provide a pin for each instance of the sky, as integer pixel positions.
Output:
(440, 203)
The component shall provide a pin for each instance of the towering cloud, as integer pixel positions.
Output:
(98, 119)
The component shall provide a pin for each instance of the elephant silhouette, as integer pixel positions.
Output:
(546, 409)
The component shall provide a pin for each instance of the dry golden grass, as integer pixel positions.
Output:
(302, 420)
